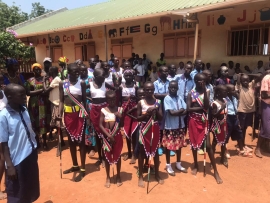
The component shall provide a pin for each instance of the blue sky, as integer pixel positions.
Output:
(26, 5)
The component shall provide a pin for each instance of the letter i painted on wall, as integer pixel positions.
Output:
(210, 20)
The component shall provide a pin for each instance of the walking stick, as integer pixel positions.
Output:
(60, 150)
(113, 165)
(149, 162)
(225, 133)
(204, 155)
(253, 127)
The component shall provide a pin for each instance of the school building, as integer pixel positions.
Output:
(217, 30)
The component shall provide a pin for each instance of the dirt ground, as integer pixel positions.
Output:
(246, 180)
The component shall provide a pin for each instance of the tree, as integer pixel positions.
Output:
(38, 10)
(10, 15)
(12, 47)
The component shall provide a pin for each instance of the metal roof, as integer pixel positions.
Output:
(108, 12)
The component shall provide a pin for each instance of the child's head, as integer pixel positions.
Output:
(208, 75)
(15, 94)
(83, 71)
(181, 64)
(237, 70)
(36, 67)
(208, 65)
(163, 71)
(173, 88)
(244, 80)
(105, 66)
(172, 69)
(79, 62)
(116, 61)
(198, 64)
(154, 69)
(73, 70)
(231, 64)
(2, 85)
(92, 63)
(231, 89)
(188, 69)
(53, 71)
(246, 68)
(148, 89)
(224, 71)
(237, 65)
(260, 64)
(117, 80)
(127, 65)
(99, 75)
(221, 91)
(111, 98)
(200, 79)
(140, 94)
(129, 75)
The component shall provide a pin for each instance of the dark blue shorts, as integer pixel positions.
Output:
(25, 189)
(245, 119)
(234, 129)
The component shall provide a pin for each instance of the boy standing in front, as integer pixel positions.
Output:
(19, 148)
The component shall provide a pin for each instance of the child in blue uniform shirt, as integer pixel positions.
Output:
(19, 147)
(174, 132)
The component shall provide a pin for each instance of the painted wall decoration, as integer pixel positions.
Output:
(54, 40)
(265, 14)
(221, 20)
(165, 20)
(243, 17)
(112, 33)
(180, 24)
(132, 29)
(100, 34)
(67, 38)
(41, 41)
(86, 35)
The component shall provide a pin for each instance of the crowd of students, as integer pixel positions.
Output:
(99, 105)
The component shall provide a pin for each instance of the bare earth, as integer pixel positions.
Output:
(246, 180)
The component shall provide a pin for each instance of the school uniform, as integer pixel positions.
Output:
(174, 131)
(185, 85)
(161, 88)
(18, 133)
(233, 125)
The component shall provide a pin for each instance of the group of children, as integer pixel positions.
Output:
(97, 106)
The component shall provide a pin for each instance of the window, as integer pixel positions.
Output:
(84, 51)
(122, 48)
(177, 45)
(248, 41)
(55, 52)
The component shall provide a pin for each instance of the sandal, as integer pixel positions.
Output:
(242, 153)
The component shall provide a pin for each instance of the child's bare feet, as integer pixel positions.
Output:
(133, 160)
(118, 181)
(107, 183)
(141, 182)
(126, 157)
(159, 180)
(217, 177)
(195, 170)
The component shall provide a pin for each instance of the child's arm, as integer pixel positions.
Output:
(159, 113)
(215, 112)
(101, 127)
(61, 101)
(130, 111)
(11, 171)
(30, 90)
(107, 85)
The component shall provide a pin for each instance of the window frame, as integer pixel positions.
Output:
(261, 27)
(51, 52)
(184, 35)
(85, 52)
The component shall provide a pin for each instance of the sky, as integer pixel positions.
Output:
(26, 5)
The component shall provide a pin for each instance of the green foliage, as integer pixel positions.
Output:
(38, 10)
(14, 48)
(11, 15)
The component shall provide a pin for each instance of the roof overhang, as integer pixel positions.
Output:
(181, 12)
